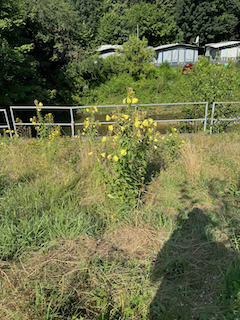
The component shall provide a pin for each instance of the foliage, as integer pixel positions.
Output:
(136, 59)
(212, 21)
(156, 24)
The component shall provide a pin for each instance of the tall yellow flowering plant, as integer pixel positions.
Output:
(124, 152)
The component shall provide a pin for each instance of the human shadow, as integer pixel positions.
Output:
(198, 273)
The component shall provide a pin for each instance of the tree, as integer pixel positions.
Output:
(157, 25)
(212, 21)
(17, 66)
(135, 58)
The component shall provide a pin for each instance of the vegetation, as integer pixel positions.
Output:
(72, 249)
(51, 45)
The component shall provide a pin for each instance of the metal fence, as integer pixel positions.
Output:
(73, 122)
(221, 119)
(6, 125)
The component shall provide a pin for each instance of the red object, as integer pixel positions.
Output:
(187, 67)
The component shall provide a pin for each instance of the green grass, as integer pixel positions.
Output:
(67, 251)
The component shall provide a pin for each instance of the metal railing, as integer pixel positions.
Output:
(221, 119)
(7, 125)
(73, 123)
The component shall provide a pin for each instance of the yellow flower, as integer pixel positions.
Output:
(122, 128)
(145, 123)
(155, 140)
(83, 133)
(183, 141)
(170, 134)
(138, 134)
(99, 123)
(175, 136)
(151, 138)
(103, 154)
(150, 131)
(125, 116)
(115, 138)
(132, 93)
(123, 152)
(86, 123)
(155, 124)
(96, 109)
(109, 156)
(155, 147)
(90, 153)
(179, 146)
(137, 124)
(115, 158)
(167, 139)
(110, 128)
(33, 122)
(39, 109)
(150, 120)
(174, 129)
(128, 100)
(108, 118)
(124, 101)
(40, 104)
(87, 110)
(134, 100)
(104, 139)
(31, 119)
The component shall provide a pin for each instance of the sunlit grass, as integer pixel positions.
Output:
(68, 251)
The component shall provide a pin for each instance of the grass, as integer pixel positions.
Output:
(67, 251)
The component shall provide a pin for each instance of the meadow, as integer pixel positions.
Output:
(167, 247)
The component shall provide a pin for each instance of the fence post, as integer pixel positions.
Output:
(212, 115)
(206, 114)
(72, 122)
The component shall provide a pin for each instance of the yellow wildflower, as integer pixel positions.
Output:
(109, 156)
(151, 138)
(155, 140)
(138, 134)
(179, 146)
(124, 101)
(174, 129)
(134, 100)
(115, 138)
(90, 153)
(128, 100)
(103, 154)
(123, 152)
(104, 139)
(87, 110)
(96, 109)
(150, 120)
(40, 104)
(115, 158)
(150, 131)
(137, 124)
(110, 128)
(32, 123)
(167, 139)
(155, 124)
(145, 123)
(86, 123)
(125, 116)
(170, 134)
(183, 141)
(155, 147)
(132, 93)
(31, 119)
(83, 133)
(108, 118)
(122, 128)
